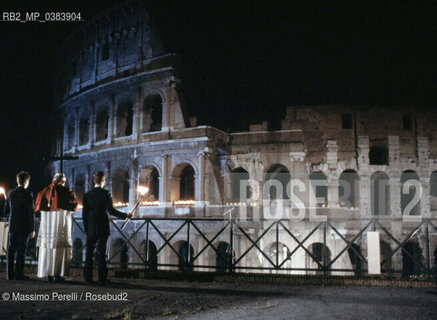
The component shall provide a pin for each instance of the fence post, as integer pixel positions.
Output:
(325, 250)
(277, 244)
(231, 242)
(428, 262)
(188, 245)
(147, 245)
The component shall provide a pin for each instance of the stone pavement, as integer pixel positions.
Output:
(210, 300)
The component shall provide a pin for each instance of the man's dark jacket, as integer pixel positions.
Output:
(19, 209)
(97, 204)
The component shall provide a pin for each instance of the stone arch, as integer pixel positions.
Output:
(283, 252)
(319, 185)
(151, 256)
(121, 259)
(349, 189)
(77, 256)
(410, 178)
(102, 122)
(379, 193)
(409, 265)
(317, 249)
(385, 251)
(84, 127)
(356, 262)
(149, 177)
(279, 173)
(70, 132)
(185, 259)
(237, 176)
(223, 257)
(183, 182)
(120, 186)
(152, 112)
(433, 191)
(124, 125)
(79, 187)
(151, 164)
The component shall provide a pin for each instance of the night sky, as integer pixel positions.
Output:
(243, 62)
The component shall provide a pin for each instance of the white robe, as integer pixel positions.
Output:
(3, 238)
(54, 242)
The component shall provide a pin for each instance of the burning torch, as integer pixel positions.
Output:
(142, 191)
(3, 192)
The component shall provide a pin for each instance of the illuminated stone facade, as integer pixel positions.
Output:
(124, 114)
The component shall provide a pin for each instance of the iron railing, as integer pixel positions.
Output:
(349, 232)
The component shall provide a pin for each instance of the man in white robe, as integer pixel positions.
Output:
(56, 204)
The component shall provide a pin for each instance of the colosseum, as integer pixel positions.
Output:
(124, 113)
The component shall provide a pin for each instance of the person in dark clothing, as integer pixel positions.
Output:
(97, 204)
(19, 209)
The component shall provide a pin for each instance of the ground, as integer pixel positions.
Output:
(218, 300)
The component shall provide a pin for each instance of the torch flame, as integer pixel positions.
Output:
(2, 191)
(143, 190)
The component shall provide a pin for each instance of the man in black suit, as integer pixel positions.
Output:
(19, 209)
(97, 204)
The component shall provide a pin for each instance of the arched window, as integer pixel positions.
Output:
(385, 252)
(183, 182)
(70, 133)
(102, 121)
(84, 128)
(277, 175)
(121, 258)
(411, 258)
(379, 194)
(319, 185)
(223, 257)
(348, 189)
(282, 255)
(410, 193)
(151, 257)
(152, 113)
(186, 254)
(356, 262)
(433, 198)
(239, 175)
(120, 186)
(124, 119)
(77, 257)
(149, 177)
(318, 250)
(79, 187)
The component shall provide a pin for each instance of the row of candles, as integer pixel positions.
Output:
(189, 203)
(256, 204)
(178, 203)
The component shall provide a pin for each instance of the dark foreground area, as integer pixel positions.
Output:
(210, 300)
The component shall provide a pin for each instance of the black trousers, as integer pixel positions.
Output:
(97, 244)
(16, 248)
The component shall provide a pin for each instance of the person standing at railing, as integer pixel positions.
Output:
(56, 204)
(97, 204)
(19, 209)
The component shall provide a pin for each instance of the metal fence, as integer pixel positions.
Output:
(414, 236)
(411, 250)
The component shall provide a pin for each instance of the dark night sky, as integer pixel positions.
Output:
(243, 62)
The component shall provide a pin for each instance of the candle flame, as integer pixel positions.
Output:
(149, 203)
(143, 190)
(121, 204)
(184, 203)
(2, 191)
